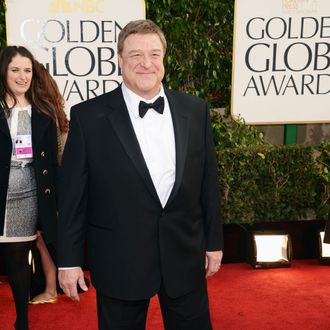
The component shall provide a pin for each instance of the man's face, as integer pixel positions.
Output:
(142, 65)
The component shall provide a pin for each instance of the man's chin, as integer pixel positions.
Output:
(148, 91)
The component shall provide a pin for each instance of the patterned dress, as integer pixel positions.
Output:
(21, 207)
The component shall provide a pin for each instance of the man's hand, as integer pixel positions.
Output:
(68, 279)
(213, 262)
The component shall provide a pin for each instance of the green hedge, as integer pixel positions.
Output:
(2, 24)
(264, 183)
(199, 35)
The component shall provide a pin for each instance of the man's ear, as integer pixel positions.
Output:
(120, 61)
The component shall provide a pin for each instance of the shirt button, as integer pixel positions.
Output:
(42, 154)
(47, 191)
(45, 172)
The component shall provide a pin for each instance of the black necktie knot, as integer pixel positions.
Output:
(158, 105)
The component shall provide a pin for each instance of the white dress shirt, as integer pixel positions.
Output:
(155, 135)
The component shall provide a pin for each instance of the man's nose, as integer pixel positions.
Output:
(22, 75)
(146, 61)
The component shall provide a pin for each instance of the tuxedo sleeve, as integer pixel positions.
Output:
(73, 197)
(210, 193)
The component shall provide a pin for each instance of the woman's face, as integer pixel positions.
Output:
(19, 75)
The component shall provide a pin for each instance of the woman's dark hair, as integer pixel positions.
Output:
(43, 93)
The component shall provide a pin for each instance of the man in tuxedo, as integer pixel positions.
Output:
(140, 186)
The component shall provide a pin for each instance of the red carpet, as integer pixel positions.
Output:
(240, 298)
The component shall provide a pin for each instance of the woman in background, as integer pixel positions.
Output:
(49, 295)
(28, 168)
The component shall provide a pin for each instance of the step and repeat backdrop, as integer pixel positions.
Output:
(76, 40)
(281, 61)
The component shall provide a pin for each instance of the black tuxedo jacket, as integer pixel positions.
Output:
(107, 197)
(44, 145)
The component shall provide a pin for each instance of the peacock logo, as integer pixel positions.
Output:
(76, 6)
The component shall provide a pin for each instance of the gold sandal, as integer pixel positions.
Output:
(51, 300)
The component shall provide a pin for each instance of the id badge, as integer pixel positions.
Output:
(23, 146)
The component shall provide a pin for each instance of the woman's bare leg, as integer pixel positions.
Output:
(49, 269)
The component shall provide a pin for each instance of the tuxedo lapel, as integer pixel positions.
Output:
(180, 124)
(121, 124)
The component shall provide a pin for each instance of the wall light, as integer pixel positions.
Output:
(324, 249)
(270, 249)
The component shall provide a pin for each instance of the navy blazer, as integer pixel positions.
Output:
(44, 145)
(108, 198)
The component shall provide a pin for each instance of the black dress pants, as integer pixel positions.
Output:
(189, 312)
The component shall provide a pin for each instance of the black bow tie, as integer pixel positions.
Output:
(158, 105)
